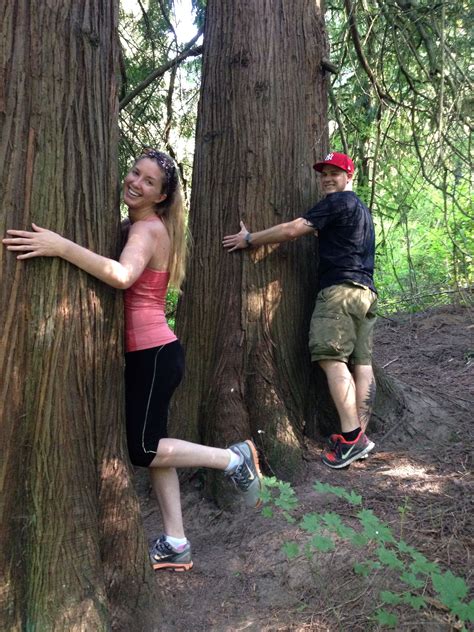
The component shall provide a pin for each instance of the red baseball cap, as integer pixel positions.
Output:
(337, 160)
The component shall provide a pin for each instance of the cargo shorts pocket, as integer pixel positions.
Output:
(331, 335)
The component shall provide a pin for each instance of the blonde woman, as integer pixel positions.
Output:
(152, 258)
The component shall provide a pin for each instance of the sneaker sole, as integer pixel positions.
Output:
(362, 455)
(170, 566)
(253, 449)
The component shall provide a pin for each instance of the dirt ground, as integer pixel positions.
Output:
(242, 580)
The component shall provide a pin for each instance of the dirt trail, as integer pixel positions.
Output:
(241, 578)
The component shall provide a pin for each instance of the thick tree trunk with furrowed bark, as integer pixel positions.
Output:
(244, 316)
(72, 553)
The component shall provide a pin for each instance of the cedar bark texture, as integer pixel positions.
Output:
(72, 552)
(244, 316)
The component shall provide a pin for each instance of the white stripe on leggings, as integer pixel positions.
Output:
(148, 405)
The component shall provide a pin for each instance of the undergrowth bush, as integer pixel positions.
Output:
(381, 548)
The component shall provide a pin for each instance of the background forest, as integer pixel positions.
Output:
(400, 98)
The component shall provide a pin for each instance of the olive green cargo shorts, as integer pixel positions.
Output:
(342, 324)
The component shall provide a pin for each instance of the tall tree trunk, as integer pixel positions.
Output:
(244, 317)
(72, 553)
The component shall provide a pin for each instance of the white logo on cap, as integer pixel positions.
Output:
(329, 157)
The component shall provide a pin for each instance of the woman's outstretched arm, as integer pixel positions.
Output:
(141, 244)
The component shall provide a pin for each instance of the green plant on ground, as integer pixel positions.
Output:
(172, 297)
(383, 550)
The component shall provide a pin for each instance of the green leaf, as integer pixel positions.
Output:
(451, 589)
(270, 481)
(422, 565)
(373, 528)
(386, 618)
(346, 532)
(389, 597)
(311, 522)
(322, 543)
(406, 548)
(359, 540)
(363, 568)
(354, 498)
(324, 488)
(288, 517)
(340, 492)
(291, 550)
(415, 601)
(287, 499)
(266, 495)
(412, 580)
(465, 611)
(280, 493)
(389, 558)
(286, 504)
(332, 520)
(267, 512)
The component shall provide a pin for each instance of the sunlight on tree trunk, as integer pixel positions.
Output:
(244, 316)
(73, 556)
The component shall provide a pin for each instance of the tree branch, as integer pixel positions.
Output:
(188, 51)
(340, 124)
(350, 11)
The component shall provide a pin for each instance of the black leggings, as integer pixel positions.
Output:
(151, 377)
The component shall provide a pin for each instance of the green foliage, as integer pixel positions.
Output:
(373, 528)
(281, 495)
(412, 580)
(389, 558)
(415, 601)
(365, 568)
(162, 114)
(387, 596)
(406, 126)
(451, 589)
(386, 619)
(291, 550)
(171, 305)
(352, 497)
(322, 543)
(382, 550)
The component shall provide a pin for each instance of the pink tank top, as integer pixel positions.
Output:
(145, 320)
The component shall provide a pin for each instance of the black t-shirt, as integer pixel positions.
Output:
(346, 239)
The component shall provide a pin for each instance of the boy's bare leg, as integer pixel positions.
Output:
(343, 392)
(365, 392)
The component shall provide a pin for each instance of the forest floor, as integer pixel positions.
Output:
(241, 578)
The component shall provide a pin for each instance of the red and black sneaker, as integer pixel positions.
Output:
(342, 453)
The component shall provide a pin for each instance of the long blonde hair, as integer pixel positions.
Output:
(173, 213)
(174, 218)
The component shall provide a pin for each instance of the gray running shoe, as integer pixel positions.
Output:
(163, 555)
(247, 477)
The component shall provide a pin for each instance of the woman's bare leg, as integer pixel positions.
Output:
(165, 484)
(178, 453)
(173, 453)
